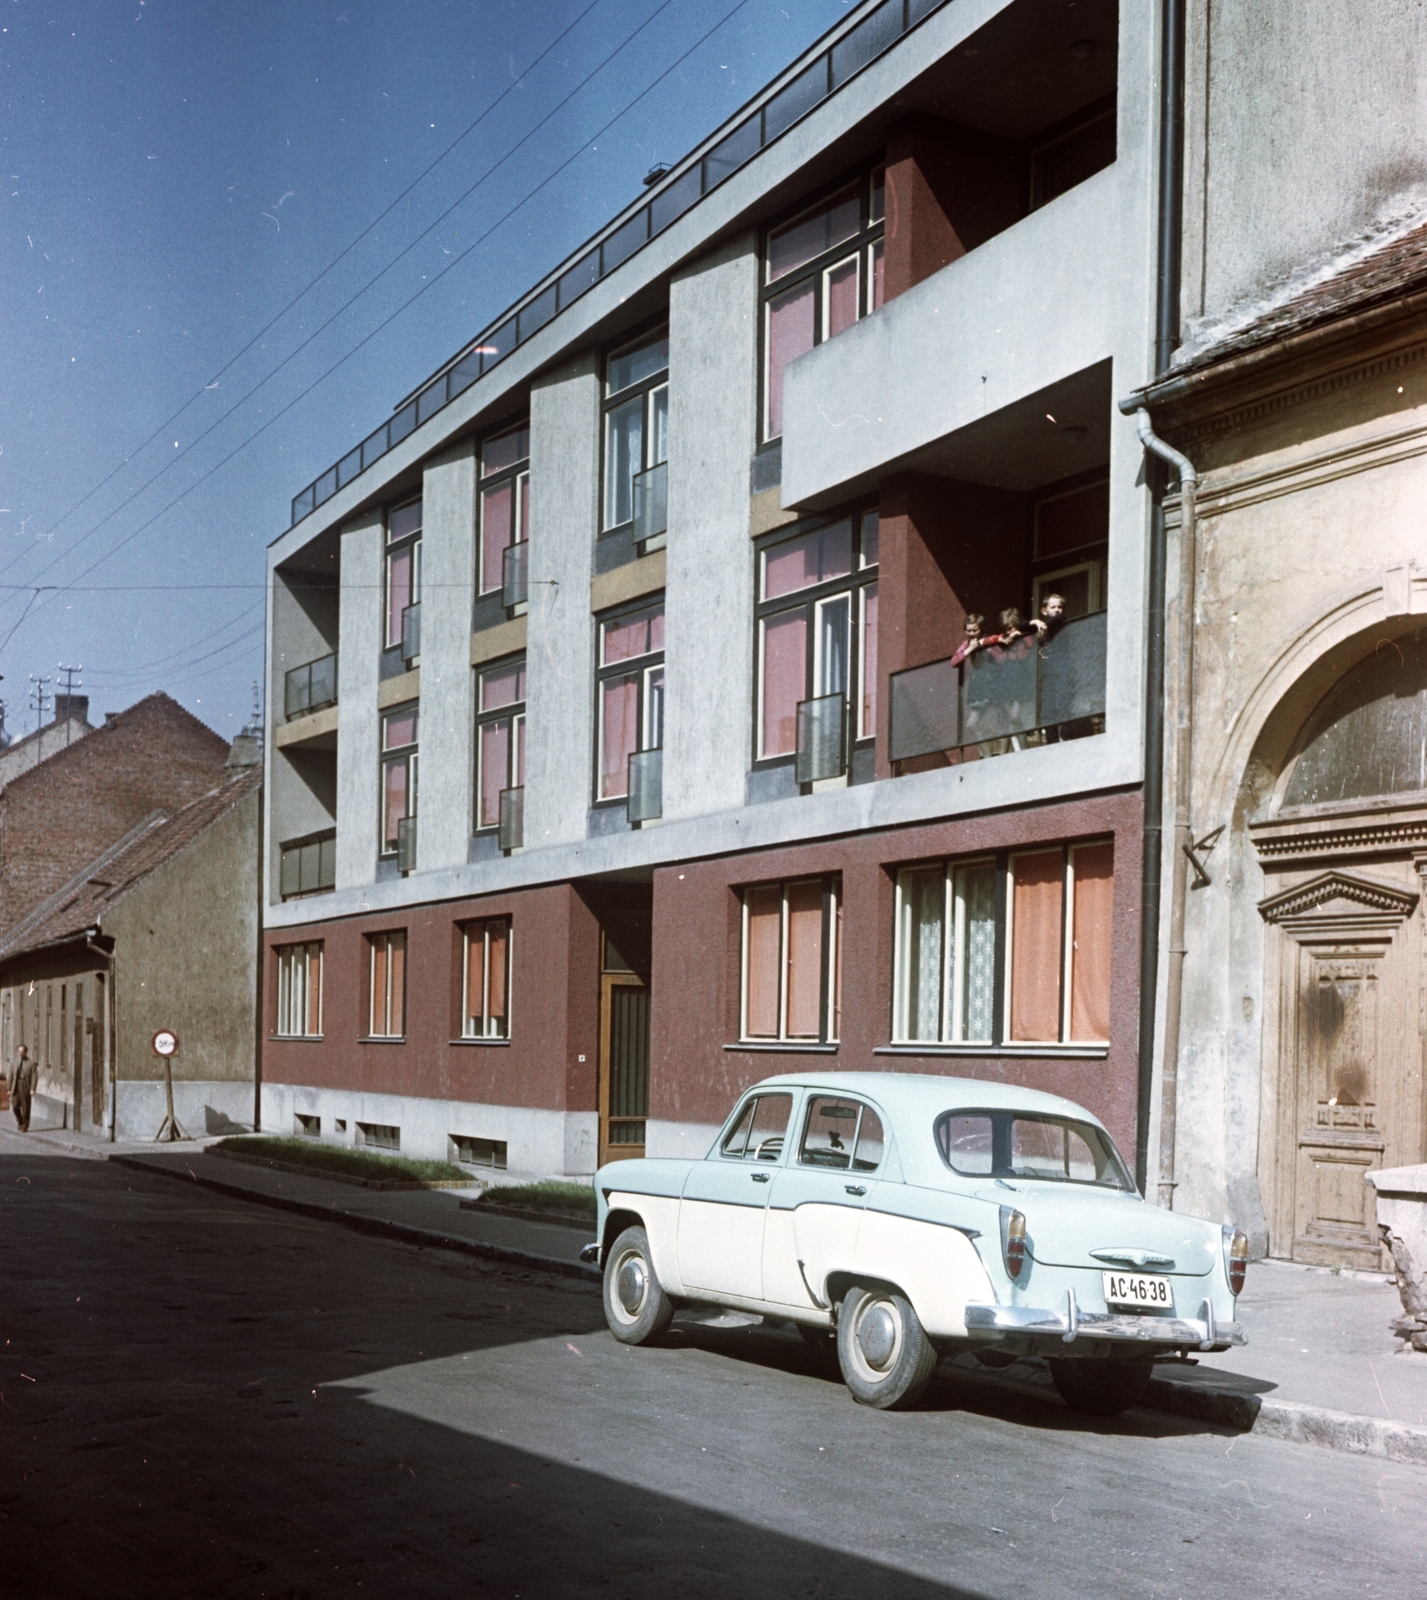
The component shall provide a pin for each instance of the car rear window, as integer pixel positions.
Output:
(1009, 1144)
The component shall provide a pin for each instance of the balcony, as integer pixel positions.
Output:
(651, 507)
(646, 786)
(999, 697)
(822, 739)
(309, 867)
(515, 575)
(512, 819)
(311, 687)
(411, 633)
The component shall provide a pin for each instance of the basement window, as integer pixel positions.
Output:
(379, 1135)
(480, 1152)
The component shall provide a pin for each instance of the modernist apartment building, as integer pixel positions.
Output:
(620, 753)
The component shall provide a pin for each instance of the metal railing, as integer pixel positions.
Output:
(651, 503)
(515, 574)
(719, 156)
(646, 785)
(822, 739)
(512, 819)
(406, 845)
(1000, 694)
(310, 687)
(308, 868)
(411, 632)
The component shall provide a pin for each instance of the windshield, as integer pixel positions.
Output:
(1009, 1144)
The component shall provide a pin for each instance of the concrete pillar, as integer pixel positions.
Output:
(358, 779)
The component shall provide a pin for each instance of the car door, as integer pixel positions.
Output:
(817, 1199)
(722, 1207)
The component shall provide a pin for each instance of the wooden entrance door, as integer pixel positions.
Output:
(1349, 1049)
(624, 1065)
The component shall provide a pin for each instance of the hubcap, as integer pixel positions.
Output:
(877, 1336)
(631, 1284)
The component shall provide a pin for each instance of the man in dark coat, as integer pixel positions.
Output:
(22, 1088)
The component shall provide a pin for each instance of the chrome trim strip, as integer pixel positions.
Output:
(1072, 1323)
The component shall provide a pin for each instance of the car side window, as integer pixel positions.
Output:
(842, 1134)
(761, 1128)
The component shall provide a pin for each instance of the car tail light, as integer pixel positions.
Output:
(1236, 1257)
(1013, 1241)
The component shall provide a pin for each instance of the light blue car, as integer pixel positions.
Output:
(916, 1216)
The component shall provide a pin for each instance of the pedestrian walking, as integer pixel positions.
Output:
(22, 1088)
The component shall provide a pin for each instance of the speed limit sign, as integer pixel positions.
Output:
(165, 1042)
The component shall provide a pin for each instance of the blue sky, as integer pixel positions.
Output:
(177, 174)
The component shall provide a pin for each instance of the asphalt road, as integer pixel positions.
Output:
(202, 1396)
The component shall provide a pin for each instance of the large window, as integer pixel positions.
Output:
(403, 567)
(1012, 949)
(485, 989)
(399, 736)
(500, 737)
(817, 629)
(792, 960)
(505, 502)
(386, 1010)
(299, 991)
(636, 422)
(631, 694)
(821, 272)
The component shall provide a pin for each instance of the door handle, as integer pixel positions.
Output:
(854, 1188)
(760, 1177)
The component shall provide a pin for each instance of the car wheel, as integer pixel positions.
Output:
(886, 1358)
(635, 1305)
(1101, 1388)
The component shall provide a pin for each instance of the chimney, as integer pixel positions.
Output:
(72, 705)
(246, 750)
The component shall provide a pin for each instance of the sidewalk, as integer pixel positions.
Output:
(1320, 1366)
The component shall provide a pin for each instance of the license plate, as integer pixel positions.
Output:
(1152, 1291)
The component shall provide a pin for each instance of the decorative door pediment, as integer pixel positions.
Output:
(1344, 904)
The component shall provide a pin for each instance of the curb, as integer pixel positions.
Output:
(506, 1255)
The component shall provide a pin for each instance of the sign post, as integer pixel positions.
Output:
(165, 1043)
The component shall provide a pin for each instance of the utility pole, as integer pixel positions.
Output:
(39, 698)
(69, 687)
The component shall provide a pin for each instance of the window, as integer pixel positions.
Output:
(386, 1016)
(821, 272)
(500, 737)
(843, 1134)
(792, 960)
(504, 502)
(399, 734)
(636, 422)
(1006, 1144)
(485, 1004)
(1013, 949)
(824, 641)
(631, 694)
(299, 991)
(403, 567)
(480, 1152)
(760, 1129)
(308, 866)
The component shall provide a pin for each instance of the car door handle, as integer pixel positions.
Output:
(854, 1188)
(760, 1177)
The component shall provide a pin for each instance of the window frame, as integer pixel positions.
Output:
(829, 977)
(514, 713)
(517, 475)
(393, 547)
(1001, 1041)
(311, 952)
(407, 754)
(855, 583)
(860, 246)
(645, 389)
(642, 666)
(468, 930)
(388, 939)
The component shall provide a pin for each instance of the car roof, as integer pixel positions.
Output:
(929, 1093)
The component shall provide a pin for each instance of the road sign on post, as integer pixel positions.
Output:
(165, 1044)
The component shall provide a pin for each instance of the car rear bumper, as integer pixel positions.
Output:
(1205, 1332)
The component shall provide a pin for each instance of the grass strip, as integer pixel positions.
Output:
(549, 1195)
(341, 1158)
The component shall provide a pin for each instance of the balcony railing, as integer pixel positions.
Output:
(1001, 694)
(406, 845)
(651, 503)
(822, 739)
(646, 785)
(411, 633)
(515, 575)
(311, 687)
(512, 818)
(308, 868)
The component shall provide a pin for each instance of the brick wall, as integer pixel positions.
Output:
(73, 806)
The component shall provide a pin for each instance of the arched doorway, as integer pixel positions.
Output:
(1343, 849)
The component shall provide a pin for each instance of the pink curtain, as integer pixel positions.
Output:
(842, 287)
(394, 808)
(378, 1023)
(398, 593)
(785, 668)
(794, 246)
(805, 959)
(790, 335)
(869, 662)
(499, 932)
(639, 635)
(475, 977)
(1094, 866)
(503, 687)
(765, 936)
(497, 516)
(399, 729)
(1035, 945)
(522, 488)
(877, 275)
(619, 733)
(314, 988)
(495, 768)
(397, 1024)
